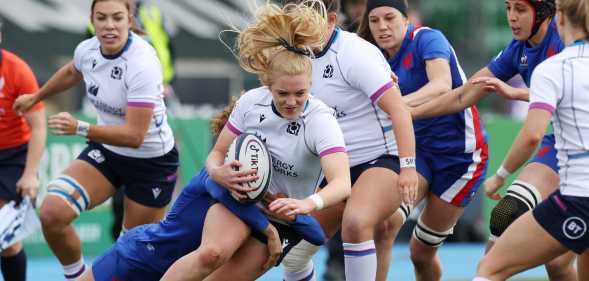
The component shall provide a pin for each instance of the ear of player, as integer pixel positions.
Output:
(252, 153)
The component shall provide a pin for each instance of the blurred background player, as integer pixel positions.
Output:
(150, 21)
(557, 92)
(22, 141)
(353, 11)
(534, 39)
(452, 151)
(131, 145)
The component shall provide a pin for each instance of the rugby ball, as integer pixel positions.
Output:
(252, 153)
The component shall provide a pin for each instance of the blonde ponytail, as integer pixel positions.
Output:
(282, 38)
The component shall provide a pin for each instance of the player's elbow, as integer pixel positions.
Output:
(533, 138)
(135, 140)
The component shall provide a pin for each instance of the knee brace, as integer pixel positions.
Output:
(405, 211)
(299, 256)
(72, 192)
(429, 236)
(520, 198)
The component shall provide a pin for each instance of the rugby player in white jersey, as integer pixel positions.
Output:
(131, 144)
(353, 77)
(558, 92)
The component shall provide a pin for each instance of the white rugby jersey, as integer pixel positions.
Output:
(295, 145)
(560, 86)
(130, 78)
(350, 75)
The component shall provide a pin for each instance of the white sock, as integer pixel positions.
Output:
(73, 271)
(360, 260)
(307, 274)
(480, 279)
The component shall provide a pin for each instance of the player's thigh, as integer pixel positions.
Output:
(81, 187)
(330, 218)
(218, 223)
(440, 215)
(523, 245)
(375, 196)
(245, 265)
(543, 177)
(137, 214)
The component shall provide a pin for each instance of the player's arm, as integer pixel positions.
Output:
(529, 137)
(226, 174)
(523, 148)
(66, 77)
(129, 134)
(440, 81)
(28, 184)
(337, 173)
(398, 111)
(455, 100)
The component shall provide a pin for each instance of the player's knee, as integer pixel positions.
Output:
(52, 215)
(211, 257)
(354, 228)
(63, 193)
(429, 237)
(560, 267)
(299, 257)
(520, 198)
(388, 229)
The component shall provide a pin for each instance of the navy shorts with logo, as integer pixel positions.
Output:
(12, 166)
(148, 181)
(565, 218)
(386, 161)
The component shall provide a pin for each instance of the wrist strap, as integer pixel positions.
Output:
(319, 203)
(502, 172)
(82, 128)
(407, 162)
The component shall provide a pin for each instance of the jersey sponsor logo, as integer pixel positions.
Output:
(101, 106)
(93, 90)
(262, 117)
(574, 228)
(293, 128)
(339, 113)
(523, 61)
(116, 73)
(328, 72)
(96, 155)
(284, 168)
(156, 191)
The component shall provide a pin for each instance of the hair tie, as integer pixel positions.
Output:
(300, 51)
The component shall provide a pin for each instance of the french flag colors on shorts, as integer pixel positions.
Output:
(455, 177)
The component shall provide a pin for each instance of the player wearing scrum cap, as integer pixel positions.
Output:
(535, 39)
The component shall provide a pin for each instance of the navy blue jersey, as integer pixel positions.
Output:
(460, 132)
(179, 233)
(519, 58)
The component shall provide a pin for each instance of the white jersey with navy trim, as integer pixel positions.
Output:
(132, 78)
(350, 75)
(560, 86)
(295, 145)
